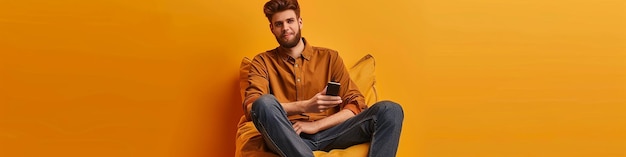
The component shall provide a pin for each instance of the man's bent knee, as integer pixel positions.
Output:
(264, 102)
(390, 106)
(391, 110)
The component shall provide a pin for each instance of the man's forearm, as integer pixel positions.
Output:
(334, 119)
(293, 108)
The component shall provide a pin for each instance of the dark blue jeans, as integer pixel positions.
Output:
(380, 124)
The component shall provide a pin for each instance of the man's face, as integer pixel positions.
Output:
(286, 27)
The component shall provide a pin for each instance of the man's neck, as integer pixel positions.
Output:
(296, 51)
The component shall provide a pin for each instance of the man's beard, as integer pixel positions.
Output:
(289, 43)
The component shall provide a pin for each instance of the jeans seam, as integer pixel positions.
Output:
(271, 140)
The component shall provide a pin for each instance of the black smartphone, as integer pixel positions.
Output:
(333, 88)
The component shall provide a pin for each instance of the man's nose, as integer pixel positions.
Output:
(285, 27)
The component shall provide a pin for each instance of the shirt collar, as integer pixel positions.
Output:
(306, 52)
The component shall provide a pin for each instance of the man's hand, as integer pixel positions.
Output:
(321, 102)
(306, 127)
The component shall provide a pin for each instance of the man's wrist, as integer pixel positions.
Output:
(317, 126)
(302, 105)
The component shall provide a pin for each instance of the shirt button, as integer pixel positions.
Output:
(296, 65)
(298, 80)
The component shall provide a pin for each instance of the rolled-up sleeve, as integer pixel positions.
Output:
(258, 83)
(352, 98)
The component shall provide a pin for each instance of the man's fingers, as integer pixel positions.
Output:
(328, 97)
(298, 131)
(329, 103)
(296, 127)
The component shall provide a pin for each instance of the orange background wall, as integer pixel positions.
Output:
(158, 78)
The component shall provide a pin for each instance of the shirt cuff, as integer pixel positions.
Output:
(247, 106)
(353, 107)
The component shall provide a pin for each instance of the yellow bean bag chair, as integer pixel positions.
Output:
(249, 142)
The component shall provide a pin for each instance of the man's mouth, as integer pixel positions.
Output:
(287, 35)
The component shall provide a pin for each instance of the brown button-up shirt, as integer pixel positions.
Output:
(295, 79)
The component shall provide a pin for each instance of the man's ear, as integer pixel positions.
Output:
(271, 27)
(300, 21)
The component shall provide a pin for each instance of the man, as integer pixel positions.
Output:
(287, 102)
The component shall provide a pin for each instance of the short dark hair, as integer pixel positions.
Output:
(274, 6)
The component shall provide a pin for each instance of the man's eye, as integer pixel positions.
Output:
(278, 24)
